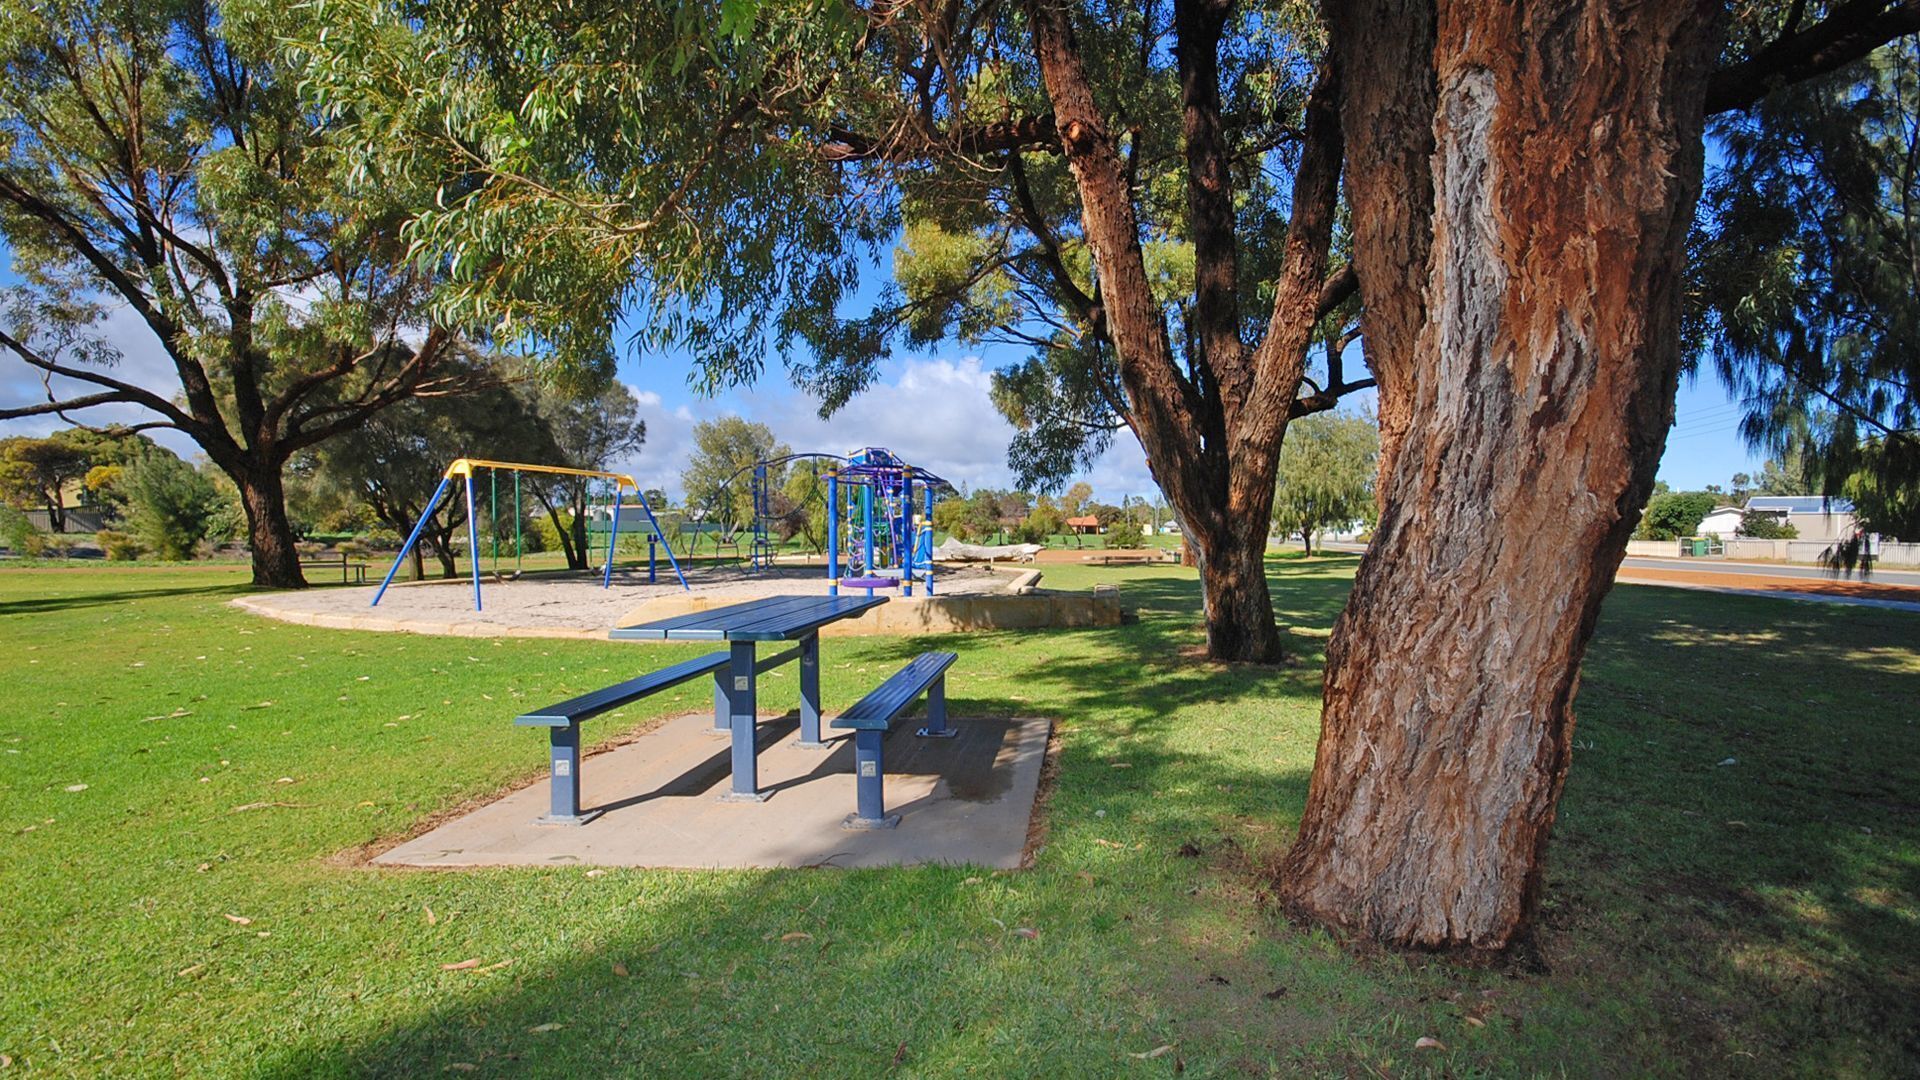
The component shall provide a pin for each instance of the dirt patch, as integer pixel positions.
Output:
(1858, 590)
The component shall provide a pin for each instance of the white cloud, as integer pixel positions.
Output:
(142, 363)
(935, 413)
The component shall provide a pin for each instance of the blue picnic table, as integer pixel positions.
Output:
(744, 627)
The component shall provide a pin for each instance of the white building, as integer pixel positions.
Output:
(1723, 522)
(1814, 517)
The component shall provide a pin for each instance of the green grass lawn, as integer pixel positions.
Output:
(186, 791)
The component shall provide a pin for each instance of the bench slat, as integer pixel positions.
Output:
(612, 697)
(879, 709)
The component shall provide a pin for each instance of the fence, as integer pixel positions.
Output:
(78, 520)
(1887, 553)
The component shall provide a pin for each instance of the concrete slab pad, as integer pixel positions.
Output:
(962, 800)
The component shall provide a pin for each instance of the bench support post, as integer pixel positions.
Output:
(869, 770)
(937, 712)
(810, 694)
(741, 722)
(564, 755)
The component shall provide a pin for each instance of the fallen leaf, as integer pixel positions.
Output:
(464, 965)
(1474, 1021)
(432, 919)
(1158, 1051)
(1107, 843)
(797, 935)
(1275, 994)
(620, 969)
(508, 962)
(76, 787)
(1085, 878)
(1730, 761)
(1428, 1042)
(284, 780)
(1027, 932)
(538, 1028)
(204, 867)
(596, 873)
(240, 920)
(462, 1066)
(193, 970)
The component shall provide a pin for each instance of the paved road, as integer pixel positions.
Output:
(1803, 573)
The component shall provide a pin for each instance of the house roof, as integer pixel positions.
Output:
(1800, 504)
(1085, 521)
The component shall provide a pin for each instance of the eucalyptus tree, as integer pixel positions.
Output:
(1325, 475)
(157, 161)
(1143, 195)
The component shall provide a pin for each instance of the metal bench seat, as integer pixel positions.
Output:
(873, 716)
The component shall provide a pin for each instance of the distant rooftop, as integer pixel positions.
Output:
(1800, 504)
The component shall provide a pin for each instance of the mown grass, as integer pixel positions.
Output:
(1760, 917)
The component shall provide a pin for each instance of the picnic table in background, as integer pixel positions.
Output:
(744, 627)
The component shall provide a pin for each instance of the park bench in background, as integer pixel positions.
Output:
(350, 572)
(873, 716)
(563, 721)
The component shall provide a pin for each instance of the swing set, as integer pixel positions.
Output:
(606, 503)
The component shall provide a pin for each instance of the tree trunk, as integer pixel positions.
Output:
(1239, 608)
(1566, 161)
(1306, 541)
(276, 559)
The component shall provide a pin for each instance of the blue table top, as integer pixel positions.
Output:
(774, 618)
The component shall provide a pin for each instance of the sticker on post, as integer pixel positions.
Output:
(869, 768)
(562, 767)
(743, 682)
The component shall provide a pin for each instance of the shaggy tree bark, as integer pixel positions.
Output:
(1533, 169)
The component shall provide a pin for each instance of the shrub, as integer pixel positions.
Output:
(17, 531)
(1675, 514)
(382, 539)
(173, 504)
(1766, 527)
(1124, 534)
(119, 546)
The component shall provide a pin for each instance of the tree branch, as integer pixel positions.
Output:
(1853, 30)
(1000, 136)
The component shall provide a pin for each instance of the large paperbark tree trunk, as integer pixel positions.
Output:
(1522, 179)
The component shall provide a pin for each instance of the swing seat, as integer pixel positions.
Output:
(869, 583)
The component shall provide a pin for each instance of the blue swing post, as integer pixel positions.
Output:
(613, 537)
(654, 524)
(473, 542)
(412, 539)
(833, 534)
(906, 533)
(929, 488)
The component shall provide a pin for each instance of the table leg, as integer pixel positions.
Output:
(741, 706)
(722, 703)
(563, 805)
(937, 712)
(810, 694)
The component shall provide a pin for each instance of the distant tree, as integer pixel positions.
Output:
(171, 504)
(1675, 514)
(1074, 500)
(1042, 523)
(1326, 475)
(725, 449)
(1124, 534)
(802, 505)
(1105, 513)
(157, 160)
(1782, 475)
(1742, 487)
(38, 471)
(593, 425)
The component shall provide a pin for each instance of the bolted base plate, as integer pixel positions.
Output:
(948, 733)
(743, 796)
(856, 823)
(805, 745)
(577, 819)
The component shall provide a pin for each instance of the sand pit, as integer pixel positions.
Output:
(563, 605)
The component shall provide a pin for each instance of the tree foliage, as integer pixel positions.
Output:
(719, 473)
(1806, 274)
(156, 158)
(171, 504)
(37, 472)
(1675, 514)
(1326, 475)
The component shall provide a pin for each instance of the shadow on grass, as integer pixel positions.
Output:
(1696, 910)
(40, 605)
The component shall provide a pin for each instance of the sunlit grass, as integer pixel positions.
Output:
(184, 790)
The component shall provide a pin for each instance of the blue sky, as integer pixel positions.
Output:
(931, 408)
